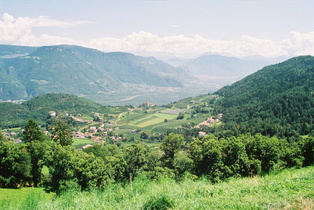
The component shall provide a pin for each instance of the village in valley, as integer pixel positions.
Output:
(129, 122)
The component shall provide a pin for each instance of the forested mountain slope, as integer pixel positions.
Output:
(81, 71)
(277, 100)
(16, 115)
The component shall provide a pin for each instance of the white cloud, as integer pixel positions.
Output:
(18, 31)
(299, 44)
(182, 46)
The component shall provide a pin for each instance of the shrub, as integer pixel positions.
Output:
(158, 203)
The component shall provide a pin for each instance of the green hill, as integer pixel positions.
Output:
(277, 100)
(16, 115)
(82, 71)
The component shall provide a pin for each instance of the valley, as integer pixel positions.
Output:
(254, 128)
(114, 78)
(125, 123)
(156, 105)
(158, 96)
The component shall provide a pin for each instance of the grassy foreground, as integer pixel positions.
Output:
(289, 189)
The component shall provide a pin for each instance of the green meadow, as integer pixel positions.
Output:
(288, 189)
(143, 119)
(81, 141)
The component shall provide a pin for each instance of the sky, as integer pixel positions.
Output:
(161, 28)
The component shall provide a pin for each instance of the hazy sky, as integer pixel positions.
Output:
(159, 27)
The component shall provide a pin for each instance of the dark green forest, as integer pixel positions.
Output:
(276, 101)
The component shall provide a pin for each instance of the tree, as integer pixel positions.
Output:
(265, 149)
(180, 116)
(135, 158)
(170, 145)
(14, 164)
(154, 159)
(90, 171)
(61, 133)
(208, 158)
(70, 168)
(59, 161)
(37, 151)
(307, 147)
(32, 132)
(144, 135)
(236, 161)
(34, 139)
(182, 163)
(116, 166)
(103, 150)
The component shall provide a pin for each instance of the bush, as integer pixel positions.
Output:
(180, 116)
(158, 203)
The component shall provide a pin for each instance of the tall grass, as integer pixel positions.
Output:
(23, 198)
(289, 189)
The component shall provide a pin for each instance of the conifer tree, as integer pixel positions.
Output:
(32, 132)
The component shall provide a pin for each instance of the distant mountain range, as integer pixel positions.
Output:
(26, 72)
(225, 70)
(116, 78)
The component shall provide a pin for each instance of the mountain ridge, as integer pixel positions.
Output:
(82, 71)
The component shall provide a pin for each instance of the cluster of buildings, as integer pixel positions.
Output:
(11, 136)
(98, 134)
(210, 121)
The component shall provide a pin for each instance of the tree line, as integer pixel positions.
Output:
(176, 158)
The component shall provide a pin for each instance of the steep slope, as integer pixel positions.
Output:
(82, 71)
(10, 86)
(277, 100)
(15, 115)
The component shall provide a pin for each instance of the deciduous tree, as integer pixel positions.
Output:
(170, 145)
(14, 164)
(61, 133)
